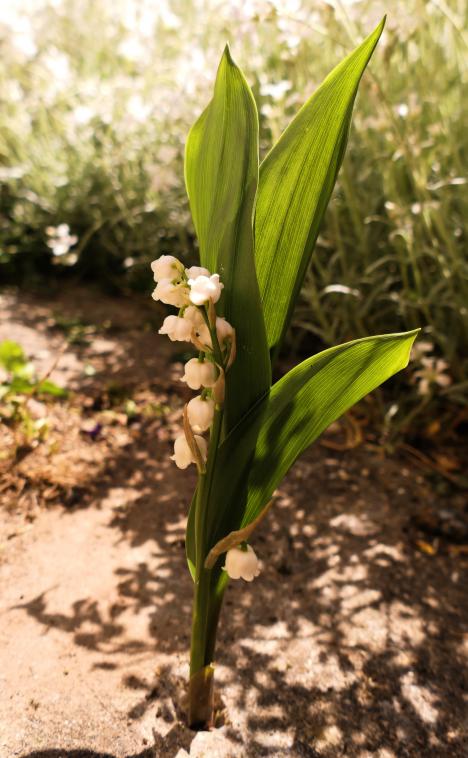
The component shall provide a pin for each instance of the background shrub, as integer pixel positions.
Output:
(93, 126)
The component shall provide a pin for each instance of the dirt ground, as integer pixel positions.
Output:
(349, 643)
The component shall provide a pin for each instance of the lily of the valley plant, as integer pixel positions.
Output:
(256, 227)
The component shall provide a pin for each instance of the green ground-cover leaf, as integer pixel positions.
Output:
(12, 356)
(221, 170)
(46, 387)
(296, 181)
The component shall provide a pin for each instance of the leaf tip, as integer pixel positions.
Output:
(411, 338)
(227, 54)
(380, 27)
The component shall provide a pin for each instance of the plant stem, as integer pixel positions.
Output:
(206, 603)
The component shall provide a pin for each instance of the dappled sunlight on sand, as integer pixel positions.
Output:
(344, 645)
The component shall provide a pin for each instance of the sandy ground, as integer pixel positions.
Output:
(350, 643)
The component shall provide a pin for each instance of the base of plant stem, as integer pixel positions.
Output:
(200, 715)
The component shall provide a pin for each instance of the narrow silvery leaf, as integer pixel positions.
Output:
(296, 181)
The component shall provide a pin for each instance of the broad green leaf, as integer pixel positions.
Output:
(296, 181)
(311, 397)
(221, 171)
(298, 408)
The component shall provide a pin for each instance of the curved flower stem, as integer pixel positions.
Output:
(217, 352)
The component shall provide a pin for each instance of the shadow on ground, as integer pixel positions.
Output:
(83, 754)
(350, 641)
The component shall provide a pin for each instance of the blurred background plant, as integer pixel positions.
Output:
(21, 392)
(98, 97)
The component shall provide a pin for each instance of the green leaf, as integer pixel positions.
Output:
(296, 181)
(311, 397)
(20, 386)
(190, 544)
(298, 408)
(12, 356)
(46, 387)
(221, 172)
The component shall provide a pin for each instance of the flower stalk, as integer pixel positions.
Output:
(195, 292)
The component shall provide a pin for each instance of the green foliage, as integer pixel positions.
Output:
(392, 248)
(19, 387)
(221, 169)
(312, 396)
(92, 136)
(296, 180)
(19, 375)
(13, 359)
(299, 407)
(274, 426)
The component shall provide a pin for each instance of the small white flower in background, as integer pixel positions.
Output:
(420, 349)
(276, 91)
(242, 563)
(200, 413)
(199, 374)
(205, 288)
(177, 329)
(171, 294)
(183, 456)
(194, 271)
(433, 372)
(60, 240)
(402, 110)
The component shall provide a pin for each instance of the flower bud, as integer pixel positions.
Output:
(166, 267)
(177, 329)
(183, 456)
(204, 288)
(199, 374)
(171, 294)
(194, 271)
(242, 563)
(200, 413)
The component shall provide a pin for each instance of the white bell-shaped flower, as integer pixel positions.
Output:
(183, 456)
(171, 294)
(205, 288)
(166, 267)
(193, 314)
(194, 271)
(224, 330)
(177, 329)
(242, 563)
(200, 413)
(199, 374)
